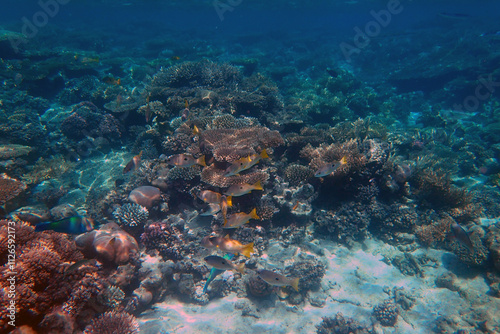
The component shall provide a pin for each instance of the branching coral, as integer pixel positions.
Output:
(9, 188)
(166, 238)
(434, 189)
(41, 281)
(335, 152)
(45, 169)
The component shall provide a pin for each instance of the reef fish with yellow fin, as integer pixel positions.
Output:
(133, 164)
(245, 163)
(278, 280)
(224, 264)
(185, 160)
(228, 245)
(330, 168)
(243, 189)
(239, 219)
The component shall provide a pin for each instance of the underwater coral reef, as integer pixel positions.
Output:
(232, 189)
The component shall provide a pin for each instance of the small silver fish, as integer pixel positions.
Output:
(278, 280)
(330, 168)
(461, 236)
(224, 264)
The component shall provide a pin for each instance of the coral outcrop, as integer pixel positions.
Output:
(109, 244)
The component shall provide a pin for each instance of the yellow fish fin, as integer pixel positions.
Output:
(196, 131)
(295, 284)
(247, 250)
(263, 154)
(257, 186)
(201, 161)
(343, 161)
(253, 214)
(229, 200)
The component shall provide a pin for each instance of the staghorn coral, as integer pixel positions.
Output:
(341, 325)
(131, 214)
(113, 322)
(232, 144)
(10, 188)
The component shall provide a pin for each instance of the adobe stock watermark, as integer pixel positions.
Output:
(11, 273)
(483, 91)
(221, 7)
(362, 38)
(31, 27)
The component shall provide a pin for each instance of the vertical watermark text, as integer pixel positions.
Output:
(11, 273)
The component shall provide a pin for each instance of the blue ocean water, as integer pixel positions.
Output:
(352, 145)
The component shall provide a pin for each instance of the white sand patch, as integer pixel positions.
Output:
(353, 284)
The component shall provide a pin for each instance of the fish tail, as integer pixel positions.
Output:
(201, 161)
(229, 200)
(295, 284)
(241, 268)
(196, 131)
(253, 214)
(263, 154)
(258, 186)
(247, 250)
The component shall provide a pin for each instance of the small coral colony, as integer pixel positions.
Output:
(134, 189)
